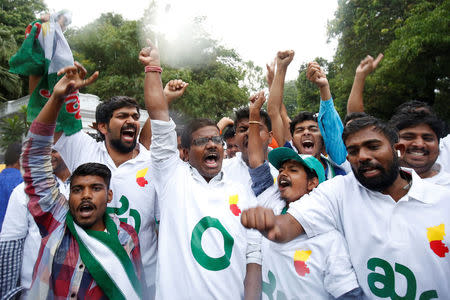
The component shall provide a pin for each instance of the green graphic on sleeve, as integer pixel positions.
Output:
(387, 280)
(208, 262)
(124, 205)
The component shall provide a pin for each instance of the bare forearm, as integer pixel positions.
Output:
(255, 151)
(253, 282)
(155, 102)
(288, 228)
(49, 112)
(275, 106)
(325, 93)
(355, 100)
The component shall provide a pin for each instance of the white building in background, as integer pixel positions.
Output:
(88, 103)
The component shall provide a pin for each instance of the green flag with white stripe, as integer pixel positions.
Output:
(44, 52)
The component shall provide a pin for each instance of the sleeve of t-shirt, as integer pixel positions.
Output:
(75, 149)
(331, 128)
(15, 225)
(340, 277)
(164, 152)
(318, 211)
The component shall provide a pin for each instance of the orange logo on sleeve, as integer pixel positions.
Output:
(435, 236)
(233, 201)
(140, 177)
(300, 258)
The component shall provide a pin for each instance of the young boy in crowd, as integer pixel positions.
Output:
(317, 268)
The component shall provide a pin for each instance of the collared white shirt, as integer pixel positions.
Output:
(203, 247)
(134, 196)
(395, 247)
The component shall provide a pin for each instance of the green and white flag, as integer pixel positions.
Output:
(44, 52)
(106, 260)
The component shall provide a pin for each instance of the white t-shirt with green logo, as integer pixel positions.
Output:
(304, 268)
(134, 196)
(203, 247)
(398, 249)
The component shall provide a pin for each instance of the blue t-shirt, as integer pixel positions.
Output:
(9, 179)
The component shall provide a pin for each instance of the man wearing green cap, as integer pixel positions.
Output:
(316, 268)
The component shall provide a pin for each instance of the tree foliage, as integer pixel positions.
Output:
(216, 75)
(14, 128)
(14, 18)
(413, 35)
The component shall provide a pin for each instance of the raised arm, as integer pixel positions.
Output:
(255, 145)
(174, 89)
(157, 106)
(275, 103)
(47, 205)
(73, 80)
(330, 123)
(355, 100)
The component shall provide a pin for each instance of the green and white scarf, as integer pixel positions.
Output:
(106, 260)
(44, 52)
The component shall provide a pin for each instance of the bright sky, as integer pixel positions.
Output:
(256, 29)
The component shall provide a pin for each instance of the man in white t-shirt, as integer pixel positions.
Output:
(419, 136)
(134, 197)
(204, 251)
(20, 238)
(394, 222)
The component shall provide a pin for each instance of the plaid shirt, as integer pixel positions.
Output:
(59, 272)
(10, 263)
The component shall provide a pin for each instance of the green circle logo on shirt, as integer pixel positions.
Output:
(206, 261)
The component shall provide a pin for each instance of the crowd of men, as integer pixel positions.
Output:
(308, 208)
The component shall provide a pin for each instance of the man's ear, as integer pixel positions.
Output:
(401, 149)
(185, 154)
(312, 183)
(110, 195)
(102, 127)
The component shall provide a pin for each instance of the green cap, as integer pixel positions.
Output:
(279, 155)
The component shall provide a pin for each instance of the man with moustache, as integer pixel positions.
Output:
(394, 222)
(134, 198)
(85, 253)
(419, 137)
(204, 251)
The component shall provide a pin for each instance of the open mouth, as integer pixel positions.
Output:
(211, 160)
(308, 146)
(128, 134)
(284, 183)
(86, 209)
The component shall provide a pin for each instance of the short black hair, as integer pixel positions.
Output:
(228, 132)
(362, 123)
(413, 106)
(407, 119)
(302, 116)
(192, 126)
(94, 169)
(354, 115)
(12, 154)
(244, 113)
(105, 110)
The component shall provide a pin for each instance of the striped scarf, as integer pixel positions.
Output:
(106, 260)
